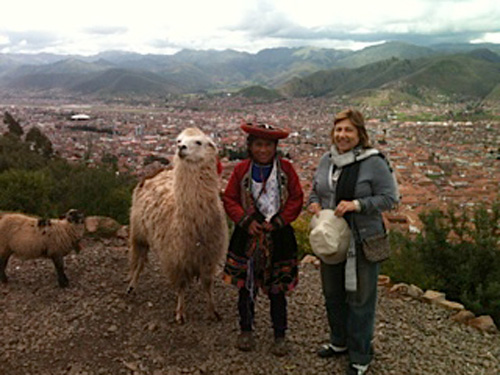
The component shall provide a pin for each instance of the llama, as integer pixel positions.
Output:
(178, 214)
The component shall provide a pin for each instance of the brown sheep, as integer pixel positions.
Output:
(28, 237)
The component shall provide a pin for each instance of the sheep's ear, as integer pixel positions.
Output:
(211, 144)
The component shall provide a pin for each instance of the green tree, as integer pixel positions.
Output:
(14, 127)
(17, 155)
(39, 142)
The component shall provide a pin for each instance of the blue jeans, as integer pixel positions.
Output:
(351, 315)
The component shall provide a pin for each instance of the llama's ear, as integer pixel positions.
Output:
(211, 144)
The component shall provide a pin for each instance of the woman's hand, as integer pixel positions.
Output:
(314, 208)
(344, 207)
(267, 226)
(255, 228)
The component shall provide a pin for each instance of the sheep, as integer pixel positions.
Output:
(28, 237)
(178, 214)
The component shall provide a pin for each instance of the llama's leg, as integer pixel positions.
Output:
(138, 257)
(59, 266)
(179, 310)
(208, 284)
(4, 259)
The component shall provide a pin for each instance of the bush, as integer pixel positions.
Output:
(26, 191)
(458, 254)
(34, 182)
(301, 228)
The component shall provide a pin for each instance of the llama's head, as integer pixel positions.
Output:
(194, 146)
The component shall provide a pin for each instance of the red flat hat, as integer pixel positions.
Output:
(264, 130)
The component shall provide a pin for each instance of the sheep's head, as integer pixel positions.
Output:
(194, 146)
(74, 216)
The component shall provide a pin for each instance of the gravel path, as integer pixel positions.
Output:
(93, 327)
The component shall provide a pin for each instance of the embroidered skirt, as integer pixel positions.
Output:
(283, 275)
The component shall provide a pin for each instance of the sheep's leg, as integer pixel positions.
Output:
(138, 257)
(179, 310)
(59, 266)
(208, 284)
(3, 265)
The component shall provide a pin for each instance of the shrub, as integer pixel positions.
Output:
(458, 254)
(34, 183)
(26, 191)
(301, 227)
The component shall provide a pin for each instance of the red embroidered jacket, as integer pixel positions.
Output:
(291, 192)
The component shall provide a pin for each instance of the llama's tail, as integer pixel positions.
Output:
(138, 256)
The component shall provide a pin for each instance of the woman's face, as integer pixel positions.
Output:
(263, 150)
(345, 136)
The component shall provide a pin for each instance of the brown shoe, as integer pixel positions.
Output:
(279, 348)
(245, 341)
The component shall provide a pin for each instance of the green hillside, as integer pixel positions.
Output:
(384, 51)
(259, 92)
(124, 82)
(461, 76)
(345, 81)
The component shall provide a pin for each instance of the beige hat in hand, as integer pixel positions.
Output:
(329, 237)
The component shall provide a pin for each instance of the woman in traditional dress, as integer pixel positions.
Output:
(263, 197)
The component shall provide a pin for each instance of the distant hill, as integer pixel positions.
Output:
(384, 51)
(294, 71)
(126, 82)
(61, 74)
(451, 48)
(259, 92)
(472, 75)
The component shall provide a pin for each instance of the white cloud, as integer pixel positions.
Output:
(488, 38)
(164, 26)
(4, 40)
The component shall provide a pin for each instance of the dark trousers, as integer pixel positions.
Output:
(246, 309)
(351, 315)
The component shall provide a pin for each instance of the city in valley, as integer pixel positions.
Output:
(437, 162)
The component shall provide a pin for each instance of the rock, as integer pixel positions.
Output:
(310, 259)
(431, 296)
(131, 365)
(123, 232)
(462, 316)
(101, 226)
(384, 280)
(484, 323)
(450, 305)
(113, 328)
(414, 291)
(399, 288)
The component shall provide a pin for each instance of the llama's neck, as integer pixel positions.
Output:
(195, 179)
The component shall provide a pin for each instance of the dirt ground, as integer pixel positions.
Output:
(94, 327)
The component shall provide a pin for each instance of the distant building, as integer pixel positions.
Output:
(80, 117)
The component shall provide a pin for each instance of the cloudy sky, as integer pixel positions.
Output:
(166, 26)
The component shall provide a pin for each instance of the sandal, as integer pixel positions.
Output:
(330, 350)
(279, 348)
(356, 369)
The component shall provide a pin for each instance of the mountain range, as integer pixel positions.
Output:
(462, 71)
